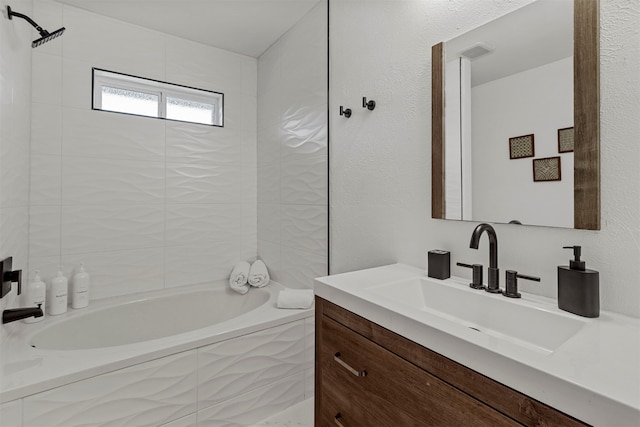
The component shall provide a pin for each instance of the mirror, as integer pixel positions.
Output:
(515, 119)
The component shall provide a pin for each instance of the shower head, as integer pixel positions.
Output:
(45, 35)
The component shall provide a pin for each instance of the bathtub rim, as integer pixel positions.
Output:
(55, 368)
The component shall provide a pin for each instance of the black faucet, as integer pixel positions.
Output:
(21, 313)
(493, 284)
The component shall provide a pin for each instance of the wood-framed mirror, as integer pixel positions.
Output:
(515, 145)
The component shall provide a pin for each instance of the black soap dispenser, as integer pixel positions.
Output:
(578, 288)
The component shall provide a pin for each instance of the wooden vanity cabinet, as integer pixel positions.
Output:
(368, 376)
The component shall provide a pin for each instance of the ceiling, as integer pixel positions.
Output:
(247, 27)
(534, 35)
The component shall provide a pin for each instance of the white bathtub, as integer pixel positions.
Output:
(214, 343)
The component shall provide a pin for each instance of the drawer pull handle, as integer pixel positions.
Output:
(342, 363)
(338, 419)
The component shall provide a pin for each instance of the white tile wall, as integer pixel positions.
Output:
(143, 203)
(15, 129)
(150, 393)
(231, 368)
(11, 414)
(292, 153)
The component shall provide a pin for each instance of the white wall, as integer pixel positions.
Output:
(537, 101)
(15, 117)
(292, 153)
(143, 203)
(380, 161)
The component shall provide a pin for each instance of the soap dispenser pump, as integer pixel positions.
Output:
(578, 287)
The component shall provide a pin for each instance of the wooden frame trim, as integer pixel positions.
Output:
(586, 119)
(437, 131)
(586, 98)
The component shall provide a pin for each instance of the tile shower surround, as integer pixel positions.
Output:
(146, 194)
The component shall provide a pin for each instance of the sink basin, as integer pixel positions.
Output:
(521, 322)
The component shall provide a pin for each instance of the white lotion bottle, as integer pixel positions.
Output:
(36, 295)
(80, 288)
(57, 297)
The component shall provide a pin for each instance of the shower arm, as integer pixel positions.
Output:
(41, 30)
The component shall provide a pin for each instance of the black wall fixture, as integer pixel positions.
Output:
(345, 112)
(45, 35)
(370, 105)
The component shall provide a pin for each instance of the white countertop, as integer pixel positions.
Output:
(594, 376)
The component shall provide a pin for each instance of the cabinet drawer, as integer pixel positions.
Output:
(393, 392)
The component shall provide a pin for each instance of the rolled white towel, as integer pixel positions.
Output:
(295, 298)
(239, 277)
(258, 274)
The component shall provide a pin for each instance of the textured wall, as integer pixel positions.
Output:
(292, 153)
(15, 117)
(380, 161)
(143, 203)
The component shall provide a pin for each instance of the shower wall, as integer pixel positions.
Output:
(292, 153)
(143, 203)
(15, 116)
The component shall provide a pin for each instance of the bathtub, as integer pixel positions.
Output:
(165, 358)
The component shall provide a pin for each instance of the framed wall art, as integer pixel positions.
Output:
(547, 169)
(521, 147)
(565, 140)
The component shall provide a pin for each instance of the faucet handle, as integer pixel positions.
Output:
(476, 282)
(511, 290)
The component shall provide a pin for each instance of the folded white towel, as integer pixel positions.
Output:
(258, 274)
(239, 277)
(295, 298)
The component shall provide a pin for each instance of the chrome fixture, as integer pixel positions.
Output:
(493, 283)
(345, 112)
(370, 105)
(45, 35)
(511, 289)
(14, 314)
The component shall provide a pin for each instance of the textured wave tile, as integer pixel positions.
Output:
(46, 179)
(269, 218)
(233, 367)
(11, 414)
(304, 180)
(14, 161)
(187, 143)
(102, 134)
(137, 270)
(46, 128)
(200, 183)
(147, 394)
(113, 44)
(201, 263)
(44, 231)
(268, 182)
(199, 224)
(14, 229)
(309, 341)
(299, 268)
(96, 228)
(304, 227)
(202, 66)
(309, 383)
(249, 408)
(101, 181)
(46, 78)
(188, 421)
(77, 83)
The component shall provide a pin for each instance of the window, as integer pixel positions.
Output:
(122, 93)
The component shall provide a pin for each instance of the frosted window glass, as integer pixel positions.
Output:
(129, 101)
(190, 111)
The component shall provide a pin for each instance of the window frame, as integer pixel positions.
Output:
(101, 77)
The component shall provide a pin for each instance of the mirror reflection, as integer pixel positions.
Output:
(508, 119)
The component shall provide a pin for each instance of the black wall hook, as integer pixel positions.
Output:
(370, 105)
(345, 112)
